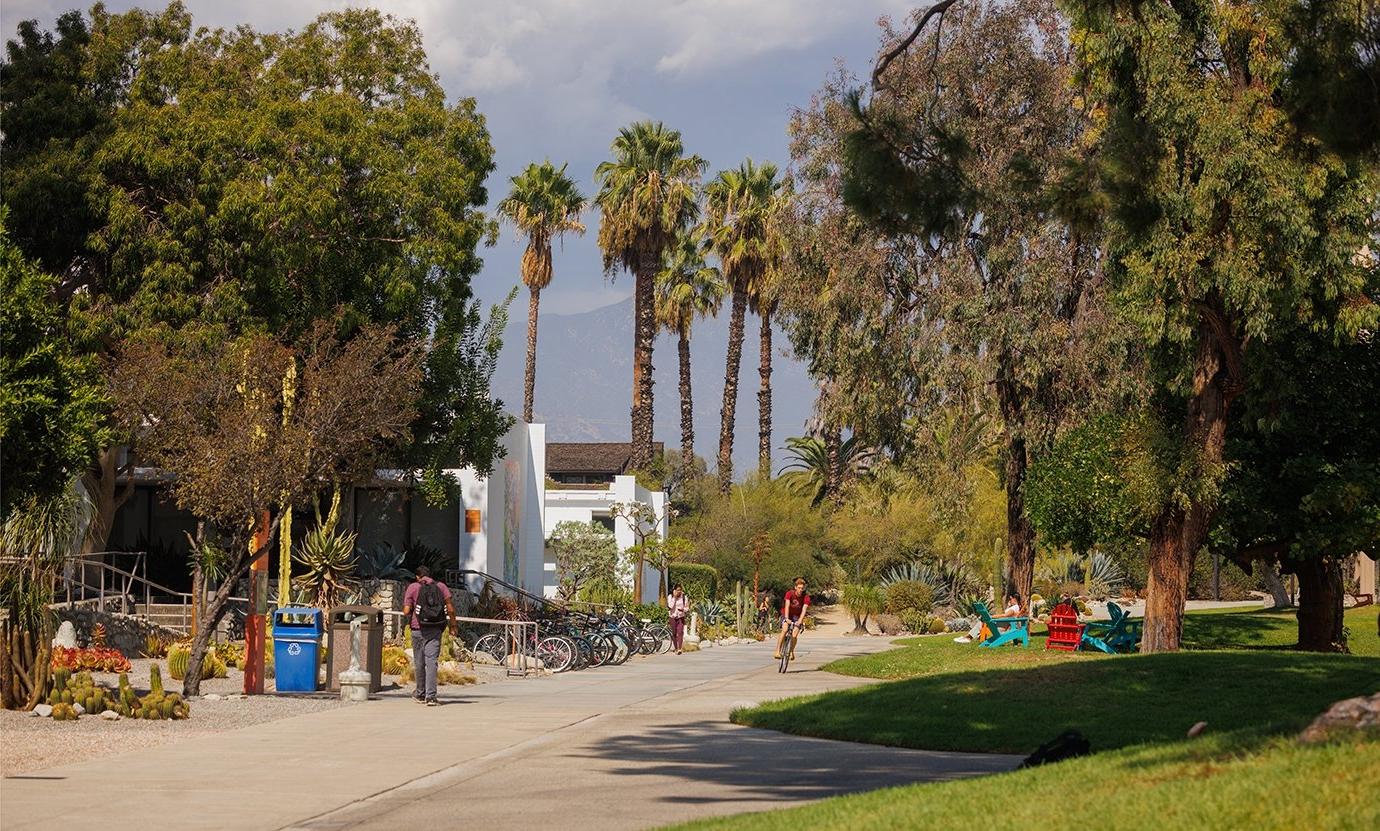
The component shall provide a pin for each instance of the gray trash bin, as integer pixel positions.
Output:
(370, 646)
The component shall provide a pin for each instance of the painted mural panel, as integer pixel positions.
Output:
(512, 519)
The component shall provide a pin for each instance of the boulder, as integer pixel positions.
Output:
(66, 636)
(706, 643)
(211, 697)
(110, 715)
(81, 711)
(42, 711)
(1360, 713)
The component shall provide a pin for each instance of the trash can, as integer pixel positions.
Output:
(370, 645)
(296, 648)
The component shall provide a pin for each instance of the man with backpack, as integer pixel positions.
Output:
(428, 606)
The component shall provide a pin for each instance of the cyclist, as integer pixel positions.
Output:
(794, 607)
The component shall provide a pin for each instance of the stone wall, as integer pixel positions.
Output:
(123, 632)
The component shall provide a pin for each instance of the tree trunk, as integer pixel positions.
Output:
(1178, 532)
(644, 333)
(833, 472)
(530, 380)
(764, 396)
(860, 625)
(207, 622)
(727, 415)
(1278, 593)
(1020, 534)
(687, 406)
(102, 485)
(1320, 605)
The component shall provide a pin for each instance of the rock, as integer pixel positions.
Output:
(705, 644)
(1197, 730)
(110, 715)
(211, 697)
(1360, 713)
(485, 659)
(81, 711)
(729, 641)
(42, 711)
(66, 635)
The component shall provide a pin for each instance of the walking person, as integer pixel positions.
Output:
(428, 606)
(677, 607)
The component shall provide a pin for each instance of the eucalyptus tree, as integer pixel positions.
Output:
(647, 195)
(687, 288)
(544, 204)
(1234, 220)
(741, 210)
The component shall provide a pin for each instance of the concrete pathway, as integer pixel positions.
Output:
(631, 747)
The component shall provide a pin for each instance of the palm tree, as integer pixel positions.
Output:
(544, 204)
(762, 301)
(686, 289)
(740, 209)
(646, 196)
(812, 460)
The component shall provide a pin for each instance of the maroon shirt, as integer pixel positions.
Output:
(410, 597)
(795, 605)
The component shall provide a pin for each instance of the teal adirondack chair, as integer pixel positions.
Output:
(1004, 629)
(1120, 634)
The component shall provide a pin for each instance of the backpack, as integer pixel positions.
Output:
(431, 605)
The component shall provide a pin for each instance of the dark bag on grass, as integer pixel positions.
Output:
(1069, 744)
(431, 605)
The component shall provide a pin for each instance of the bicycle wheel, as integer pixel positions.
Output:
(622, 647)
(556, 653)
(663, 634)
(787, 651)
(647, 643)
(603, 649)
(492, 644)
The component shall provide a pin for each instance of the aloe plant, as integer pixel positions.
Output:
(328, 557)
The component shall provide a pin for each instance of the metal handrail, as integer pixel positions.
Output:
(130, 579)
(514, 633)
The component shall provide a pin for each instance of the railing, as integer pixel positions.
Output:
(519, 647)
(112, 583)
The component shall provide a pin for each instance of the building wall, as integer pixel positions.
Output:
(584, 505)
(510, 543)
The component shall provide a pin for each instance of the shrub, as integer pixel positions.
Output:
(1233, 582)
(710, 611)
(655, 612)
(716, 631)
(915, 621)
(395, 660)
(605, 591)
(937, 626)
(888, 624)
(909, 596)
(701, 581)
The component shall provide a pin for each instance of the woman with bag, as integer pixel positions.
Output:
(677, 607)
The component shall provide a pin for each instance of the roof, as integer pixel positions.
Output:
(609, 457)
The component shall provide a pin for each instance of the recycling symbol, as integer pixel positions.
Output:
(294, 649)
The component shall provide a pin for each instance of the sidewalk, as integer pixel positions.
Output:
(620, 747)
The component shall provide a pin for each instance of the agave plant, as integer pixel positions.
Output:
(918, 572)
(384, 562)
(328, 558)
(710, 611)
(1104, 576)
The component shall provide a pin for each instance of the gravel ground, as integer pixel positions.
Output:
(29, 744)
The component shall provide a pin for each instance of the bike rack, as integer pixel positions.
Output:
(514, 636)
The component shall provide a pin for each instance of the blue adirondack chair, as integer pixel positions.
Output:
(1119, 634)
(1004, 629)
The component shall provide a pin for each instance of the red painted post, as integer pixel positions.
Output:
(258, 609)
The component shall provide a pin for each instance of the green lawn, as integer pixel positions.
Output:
(1211, 783)
(954, 696)
(1239, 677)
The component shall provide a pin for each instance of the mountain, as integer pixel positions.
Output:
(584, 381)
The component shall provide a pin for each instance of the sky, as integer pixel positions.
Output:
(557, 78)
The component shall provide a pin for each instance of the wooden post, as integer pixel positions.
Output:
(254, 625)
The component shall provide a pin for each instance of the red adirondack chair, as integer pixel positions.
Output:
(1065, 632)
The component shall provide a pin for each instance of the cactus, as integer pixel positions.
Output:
(155, 680)
(177, 663)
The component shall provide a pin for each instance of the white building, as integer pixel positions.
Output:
(535, 487)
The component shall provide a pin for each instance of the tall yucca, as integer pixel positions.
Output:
(647, 194)
(686, 289)
(544, 204)
(741, 208)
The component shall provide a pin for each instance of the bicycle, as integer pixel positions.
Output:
(788, 645)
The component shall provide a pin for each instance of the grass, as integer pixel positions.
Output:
(1216, 783)
(954, 696)
(1245, 772)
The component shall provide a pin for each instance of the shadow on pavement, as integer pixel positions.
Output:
(744, 763)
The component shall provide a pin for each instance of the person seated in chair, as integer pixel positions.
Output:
(1013, 609)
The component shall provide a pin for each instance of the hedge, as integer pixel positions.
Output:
(701, 582)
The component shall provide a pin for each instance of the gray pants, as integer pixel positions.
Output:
(426, 654)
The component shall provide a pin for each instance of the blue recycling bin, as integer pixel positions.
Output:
(296, 648)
